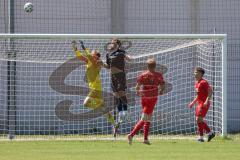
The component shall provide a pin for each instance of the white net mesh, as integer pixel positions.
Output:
(42, 86)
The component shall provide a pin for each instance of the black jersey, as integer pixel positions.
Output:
(116, 59)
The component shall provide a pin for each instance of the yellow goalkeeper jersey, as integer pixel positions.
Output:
(93, 76)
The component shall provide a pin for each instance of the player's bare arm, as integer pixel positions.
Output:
(128, 58)
(161, 89)
(137, 88)
(193, 102)
(105, 65)
(210, 91)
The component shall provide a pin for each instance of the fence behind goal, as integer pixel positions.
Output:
(43, 84)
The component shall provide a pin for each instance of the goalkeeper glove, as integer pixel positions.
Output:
(82, 45)
(74, 45)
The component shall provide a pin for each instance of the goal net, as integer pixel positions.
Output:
(43, 85)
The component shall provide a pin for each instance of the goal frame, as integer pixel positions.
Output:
(222, 37)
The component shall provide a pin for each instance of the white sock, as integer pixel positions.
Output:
(120, 116)
(124, 113)
(200, 137)
(126, 116)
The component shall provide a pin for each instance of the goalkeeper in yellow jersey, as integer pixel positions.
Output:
(94, 99)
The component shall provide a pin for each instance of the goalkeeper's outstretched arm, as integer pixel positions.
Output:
(86, 50)
(74, 45)
(77, 52)
(82, 45)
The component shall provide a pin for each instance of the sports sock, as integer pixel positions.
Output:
(120, 117)
(137, 127)
(200, 128)
(205, 126)
(146, 130)
(110, 118)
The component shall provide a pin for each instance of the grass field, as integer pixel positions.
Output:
(218, 149)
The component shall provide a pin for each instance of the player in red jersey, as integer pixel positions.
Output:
(204, 93)
(150, 84)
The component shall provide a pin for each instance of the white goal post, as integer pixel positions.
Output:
(43, 86)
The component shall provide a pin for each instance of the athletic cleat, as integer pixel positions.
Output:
(129, 139)
(200, 140)
(146, 142)
(210, 137)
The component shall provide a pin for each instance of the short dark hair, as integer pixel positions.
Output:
(201, 70)
(98, 54)
(117, 41)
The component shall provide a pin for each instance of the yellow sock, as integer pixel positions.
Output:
(110, 118)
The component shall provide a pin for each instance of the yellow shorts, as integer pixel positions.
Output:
(94, 99)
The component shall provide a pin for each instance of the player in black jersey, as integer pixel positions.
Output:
(115, 61)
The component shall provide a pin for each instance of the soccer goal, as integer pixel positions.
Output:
(43, 84)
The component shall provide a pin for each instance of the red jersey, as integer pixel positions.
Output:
(202, 87)
(150, 82)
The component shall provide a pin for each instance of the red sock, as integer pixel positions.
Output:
(205, 126)
(200, 128)
(137, 127)
(146, 130)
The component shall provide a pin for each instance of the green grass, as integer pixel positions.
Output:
(218, 149)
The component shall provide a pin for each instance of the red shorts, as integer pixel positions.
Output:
(201, 110)
(148, 105)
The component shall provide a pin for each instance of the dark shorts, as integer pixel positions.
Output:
(118, 82)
